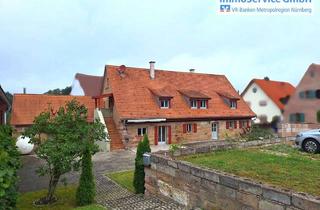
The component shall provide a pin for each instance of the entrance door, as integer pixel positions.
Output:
(214, 130)
(163, 134)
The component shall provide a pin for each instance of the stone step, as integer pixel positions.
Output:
(116, 142)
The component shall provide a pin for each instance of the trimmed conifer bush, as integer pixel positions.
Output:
(86, 191)
(138, 180)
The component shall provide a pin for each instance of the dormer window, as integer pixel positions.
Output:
(203, 104)
(233, 104)
(193, 104)
(164, 103)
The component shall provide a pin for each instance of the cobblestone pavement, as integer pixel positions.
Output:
(113, 196)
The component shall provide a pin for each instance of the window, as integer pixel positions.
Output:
(254, 90)
(233, 104)
(165, 103)
(243, 123)
(231, 124)
(318, 94)
(263, 103)
(297, 118)
(203, 104)
(142, 131)
(189, 128)
(310, 94)
(193, 104)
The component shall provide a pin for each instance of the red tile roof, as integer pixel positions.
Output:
(194, 94)
(90, 84)
(26, 107)
(134, 100)
(274, 89)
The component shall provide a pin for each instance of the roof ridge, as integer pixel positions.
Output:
(168, 70)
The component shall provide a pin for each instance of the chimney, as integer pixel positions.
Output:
(152, 72)
(24, 90)
(192, 70)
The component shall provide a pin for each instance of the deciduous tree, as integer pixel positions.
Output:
(61, 139)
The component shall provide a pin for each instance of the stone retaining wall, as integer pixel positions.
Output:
(292, 129)
(194, 186)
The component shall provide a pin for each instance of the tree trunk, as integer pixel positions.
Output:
(54, 179)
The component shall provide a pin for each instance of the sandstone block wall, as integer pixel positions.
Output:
(194, 186)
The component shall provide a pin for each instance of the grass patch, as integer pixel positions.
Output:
(123, 178)
(66, 200)
(294, 170)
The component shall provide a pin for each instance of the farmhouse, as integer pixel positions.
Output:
(267, 98)
(169, 106)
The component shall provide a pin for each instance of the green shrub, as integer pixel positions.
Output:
(86, 190)
(9, 164)
(257, 133)
(138, 179)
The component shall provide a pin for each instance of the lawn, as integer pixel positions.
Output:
(279, 165)
(123, 178)
(66, 200)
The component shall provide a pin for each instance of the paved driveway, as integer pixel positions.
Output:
(103, 162)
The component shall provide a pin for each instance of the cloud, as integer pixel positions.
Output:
(44, 43)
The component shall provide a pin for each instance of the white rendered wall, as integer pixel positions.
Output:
(270, 110)
(76, 89)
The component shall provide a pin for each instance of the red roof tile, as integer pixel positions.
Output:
(274, 89)
(134, 100)
(194, 94)
(26, 107)
(90, 84)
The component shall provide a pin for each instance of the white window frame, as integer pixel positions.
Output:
(164, 103)
(231, 124)
(243, 123)
(233, 104)
(189, 128)
(203, 102)
(142, 131)
(194, 104)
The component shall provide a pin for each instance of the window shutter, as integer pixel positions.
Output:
(248, 124)
(227, 124)
(235, 124)
(169, 103)
(155, 135)
(184, 128)
(195, 127)
(240, 124)
(199, 104)
(169, 134)
(207, 104)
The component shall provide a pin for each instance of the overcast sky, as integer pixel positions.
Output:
(44, 43)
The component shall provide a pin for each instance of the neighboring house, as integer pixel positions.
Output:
(169, 106)
(267, 98)
(304, 105)
(86, 85)
(4, 107)
(25, 107)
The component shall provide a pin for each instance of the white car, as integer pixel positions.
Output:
(309, 141)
